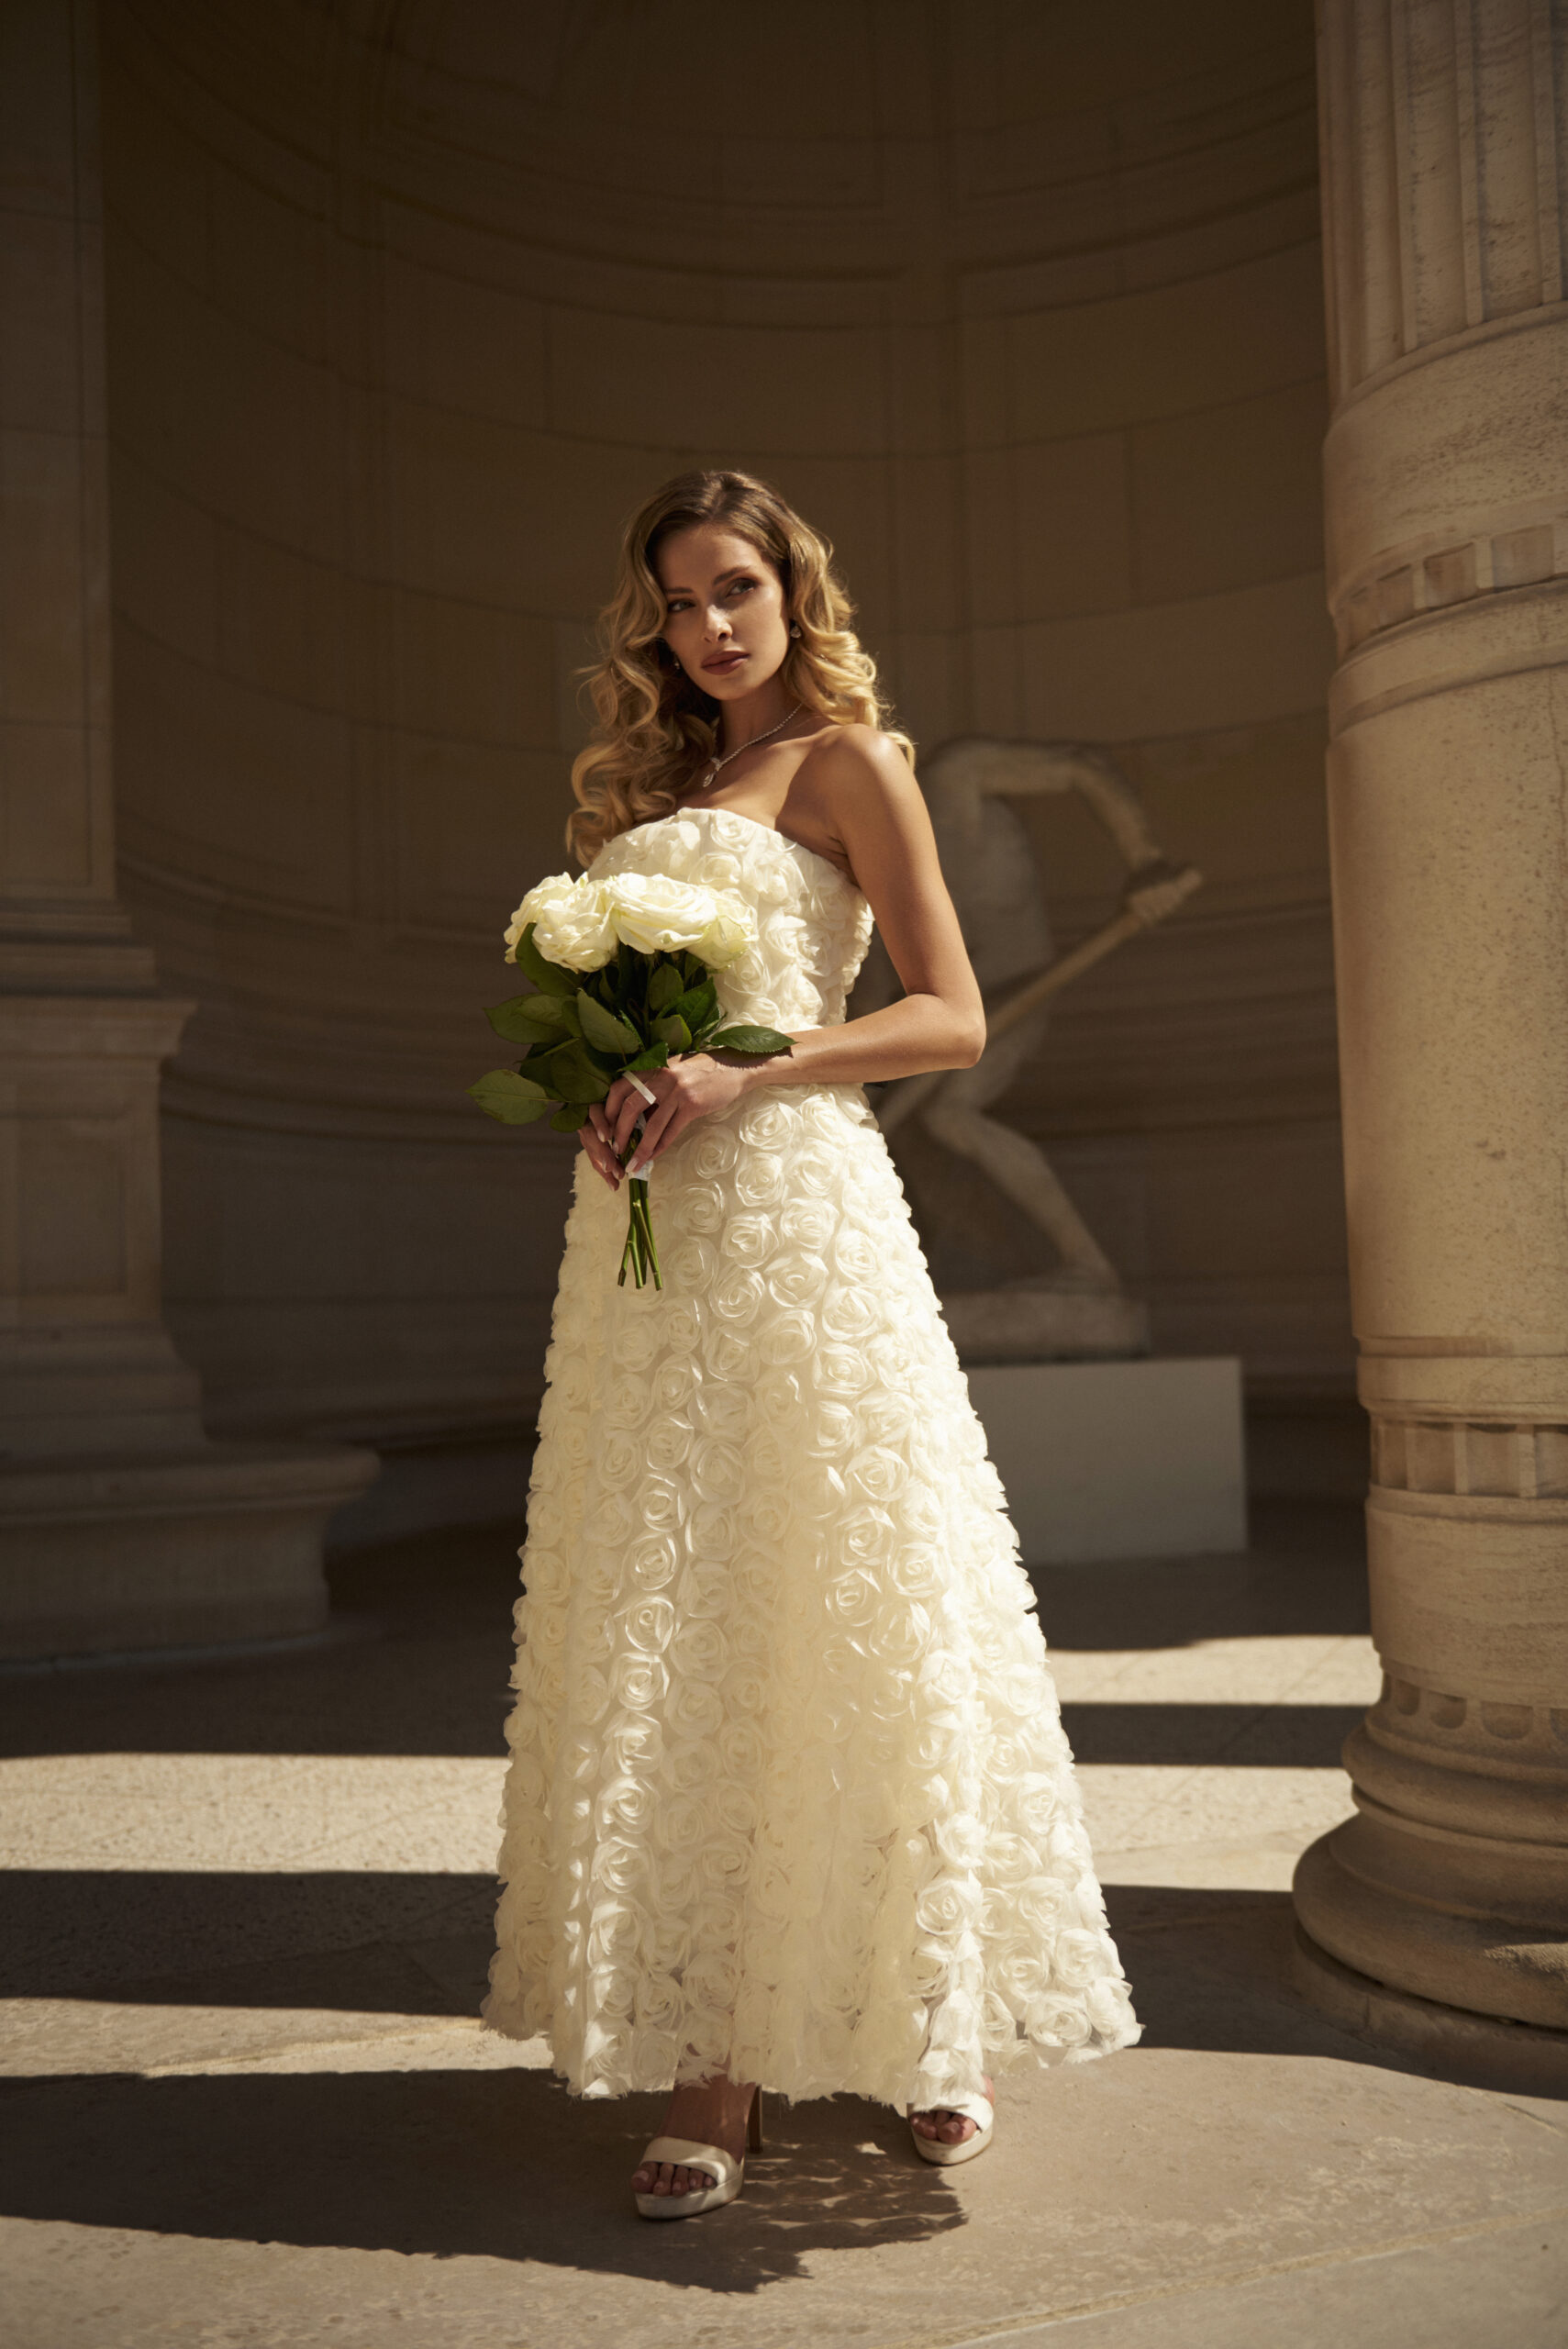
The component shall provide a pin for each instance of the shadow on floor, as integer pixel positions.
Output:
(386, 1944)
(501, 2163)
(1304, 1571)
(1209, 1970)
(431, 1673)
(1254, 1736)
(457, 2164)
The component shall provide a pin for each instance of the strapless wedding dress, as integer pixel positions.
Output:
(789, 1793)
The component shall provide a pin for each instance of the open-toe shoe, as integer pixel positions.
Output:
(684, 2152)
(978, 2109)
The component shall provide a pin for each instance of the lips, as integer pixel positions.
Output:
(722, 662)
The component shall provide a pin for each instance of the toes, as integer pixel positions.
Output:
(662, 2177)
(946, 2127)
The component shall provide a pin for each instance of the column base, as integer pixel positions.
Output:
(1481, 2050)
(1452, 1942)
(188, 1549)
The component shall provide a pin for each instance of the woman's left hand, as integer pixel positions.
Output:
(688, 1089)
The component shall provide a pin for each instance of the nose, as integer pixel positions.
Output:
(718, 624)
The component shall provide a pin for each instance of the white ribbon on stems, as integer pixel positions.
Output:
(640, 1173)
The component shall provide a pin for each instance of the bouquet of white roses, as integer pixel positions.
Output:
(623, 978)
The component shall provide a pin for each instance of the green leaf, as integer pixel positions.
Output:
(672, 1031)
(698, 1005)
(510, 1099)
(571, 1076)
(652, 1056)
(758, 1040)
(567, 1120)
(527, 1018)
(601, 1028)
(548, 976)
(666, 987)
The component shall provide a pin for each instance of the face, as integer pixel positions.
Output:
(725, 617)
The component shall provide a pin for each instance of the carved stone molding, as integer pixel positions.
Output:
(1520, 557)
(1410, 1715)
(1513, 1460)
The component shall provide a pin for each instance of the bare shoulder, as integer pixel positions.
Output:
(856, 775)
(861, 755)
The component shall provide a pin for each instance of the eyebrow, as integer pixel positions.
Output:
(734, 572)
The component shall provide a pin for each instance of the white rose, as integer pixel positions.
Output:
(731, 933)
(653, 914)
(572, 923)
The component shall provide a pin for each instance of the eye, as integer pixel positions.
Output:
(739, 587)
(678, 604)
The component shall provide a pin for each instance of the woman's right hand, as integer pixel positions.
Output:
(596, 1138)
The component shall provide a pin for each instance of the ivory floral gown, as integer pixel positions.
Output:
(789, 1793)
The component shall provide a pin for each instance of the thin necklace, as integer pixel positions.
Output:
(715, 764)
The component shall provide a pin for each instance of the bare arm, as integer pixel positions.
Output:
(878, 821)
(883, 832)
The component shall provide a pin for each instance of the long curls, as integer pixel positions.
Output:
(655, 728)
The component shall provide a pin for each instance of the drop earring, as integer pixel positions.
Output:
(795, 628)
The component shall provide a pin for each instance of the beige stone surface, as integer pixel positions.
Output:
(246, 2101)
(119, 1523)
(404, 316)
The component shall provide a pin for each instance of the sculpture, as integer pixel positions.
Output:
(1081, 1308)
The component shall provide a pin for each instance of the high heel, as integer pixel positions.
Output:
(683, 2153)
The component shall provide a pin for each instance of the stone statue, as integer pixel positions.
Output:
(1081, 1308)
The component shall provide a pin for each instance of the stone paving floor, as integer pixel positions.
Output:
(248, 2106)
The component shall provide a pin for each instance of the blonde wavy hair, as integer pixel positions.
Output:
(655, 726)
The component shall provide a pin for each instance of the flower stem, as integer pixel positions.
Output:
(640, 1253)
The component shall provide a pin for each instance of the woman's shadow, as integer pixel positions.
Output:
(499, 2164)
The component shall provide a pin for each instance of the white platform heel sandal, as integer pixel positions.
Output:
(978, 2109)
(683, 2153)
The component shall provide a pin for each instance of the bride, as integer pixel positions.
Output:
(789, 1803)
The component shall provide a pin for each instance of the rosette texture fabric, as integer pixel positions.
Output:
(789, 1794)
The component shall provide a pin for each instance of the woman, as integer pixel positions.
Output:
(789, 1804)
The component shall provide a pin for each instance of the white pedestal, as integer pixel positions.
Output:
(1118, 1459)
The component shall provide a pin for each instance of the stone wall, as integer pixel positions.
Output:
(1021, 303)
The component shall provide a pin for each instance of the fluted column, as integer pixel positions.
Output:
(1445, 176)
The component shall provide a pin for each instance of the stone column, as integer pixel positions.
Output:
(1439, 1915)
(121, 1525)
